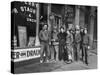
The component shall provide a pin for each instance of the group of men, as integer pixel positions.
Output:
(71, 43)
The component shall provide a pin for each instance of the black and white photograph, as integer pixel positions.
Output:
(53, 37)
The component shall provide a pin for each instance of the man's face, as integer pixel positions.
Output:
(85, 31)
(55, 31)
(77, 31)
(62, 30)
(45, 27)
(68, 32)
(81, 30)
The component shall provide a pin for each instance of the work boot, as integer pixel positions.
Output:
(41, 61)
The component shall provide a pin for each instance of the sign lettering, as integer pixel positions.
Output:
(25, 54)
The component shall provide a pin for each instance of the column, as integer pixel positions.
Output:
(92, 17)
(59, 24)
(48, 17)
(37, 42)
(77, 15)
(82, 16)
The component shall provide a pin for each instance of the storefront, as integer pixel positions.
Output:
(28, 18)
(25, 22)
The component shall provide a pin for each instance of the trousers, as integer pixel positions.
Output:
(45, 50)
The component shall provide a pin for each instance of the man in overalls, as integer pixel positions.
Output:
(69, 41)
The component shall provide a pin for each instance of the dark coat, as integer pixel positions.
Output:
(62, 37)
(86, 39)
(77, 38)
(62, 42)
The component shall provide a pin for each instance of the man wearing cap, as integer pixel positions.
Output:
(54, 43)
(69, 41)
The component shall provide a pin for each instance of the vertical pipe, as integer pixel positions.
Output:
(48, 16)
(37, 42)
(92, 25)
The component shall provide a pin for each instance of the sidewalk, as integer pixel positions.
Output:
(79, 65)
(59, 66)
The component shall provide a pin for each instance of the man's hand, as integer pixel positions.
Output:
(53, 40)
(88, 47)
(49, 43)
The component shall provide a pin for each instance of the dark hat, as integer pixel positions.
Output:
(45, 24)
(61, 27)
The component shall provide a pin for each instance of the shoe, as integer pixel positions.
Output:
(87, 64)
(54, 61)
(47, 61)
(41, 61)
(66, 62)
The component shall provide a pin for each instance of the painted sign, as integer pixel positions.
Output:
(69, 13)
(27, 10)
(18, 55)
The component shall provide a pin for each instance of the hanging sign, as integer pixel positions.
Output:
(69, 14)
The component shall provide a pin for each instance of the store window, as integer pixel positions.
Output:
(23, 16)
